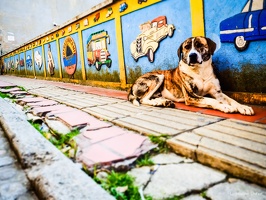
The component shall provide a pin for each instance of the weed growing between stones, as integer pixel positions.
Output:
(145, 161)
(64, 142)
(120, 185)
(204, 194)
(161, 142)
(3, 95)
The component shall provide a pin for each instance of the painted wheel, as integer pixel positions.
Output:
(98, 66)
(150, 55)
(171, 32)
(240, 43)
(109, 63)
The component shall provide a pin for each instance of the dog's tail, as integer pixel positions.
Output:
(132, 98)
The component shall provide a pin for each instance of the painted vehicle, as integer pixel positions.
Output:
(123, 7)
(28, 61)
(147, 42)
(21, 62)
(249, 25)
(97, 52)
(140, 1)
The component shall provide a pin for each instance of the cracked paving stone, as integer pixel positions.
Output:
(236, 191)
(178, 179)
(6, 160)
(170, 158)
(193, 197)
(142, 175)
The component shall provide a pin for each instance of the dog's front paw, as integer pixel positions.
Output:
(245, 110)
(227, 108)
(169, 104)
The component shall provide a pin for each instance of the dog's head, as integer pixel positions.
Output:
(196, 50)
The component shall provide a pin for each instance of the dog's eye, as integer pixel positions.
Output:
(198, 45)
(187, 46)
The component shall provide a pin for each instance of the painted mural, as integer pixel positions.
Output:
(12, 64)
(97, 50)
(170, 28)
(17, 62)
(152, 32)
(100, 54)
(38, 61)
(29, 63)
(70, 58)
(247, 26)
(69, 55)
(22, 63)
(239, 64)
(51, 59)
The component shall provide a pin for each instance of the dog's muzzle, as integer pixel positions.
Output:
(194, 59)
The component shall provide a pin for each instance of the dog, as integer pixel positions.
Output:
(190, 82)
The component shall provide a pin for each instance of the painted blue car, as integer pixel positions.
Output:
(123, 7)
(249, 25)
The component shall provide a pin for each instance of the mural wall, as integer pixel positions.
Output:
(239, 30)
(116, 44)
(51, 60)
(100, 52)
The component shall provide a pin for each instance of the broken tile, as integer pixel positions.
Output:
(43, 103)
(41, 111)
(127, 144)
(97, 124)
(103, 134)
(10, 90)
(75, 118)
(5, 84)
(98, 154)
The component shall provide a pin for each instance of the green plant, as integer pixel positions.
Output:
(175, 198)
(61, 139)
(161, 142)
(121, 186)
(145, 161)
(63, 142)
(37, 126)
(4, 95)
(22, 88)
(203, 194)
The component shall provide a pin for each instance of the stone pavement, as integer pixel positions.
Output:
(13, 181)
(233, 146)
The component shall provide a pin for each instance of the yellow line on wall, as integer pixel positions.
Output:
(197, 17)
(81, 51)
(119, 42)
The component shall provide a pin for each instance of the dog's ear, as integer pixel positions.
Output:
(179, 51)
(212, 45)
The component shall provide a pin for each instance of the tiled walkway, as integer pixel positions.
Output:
(230, 142)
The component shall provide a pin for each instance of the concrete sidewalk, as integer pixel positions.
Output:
(236, 146)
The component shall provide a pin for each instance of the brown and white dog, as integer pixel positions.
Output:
(189, 82)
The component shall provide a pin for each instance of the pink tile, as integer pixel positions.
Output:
(126, 144)
(98, 154)
(64, 109)
(97, 124)
(82, 142)
(10, 90)
(75, 118)
(5, 84)
(31, 99)
(44, 110)
(43, 103)
(18, 92)
(103, 134)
